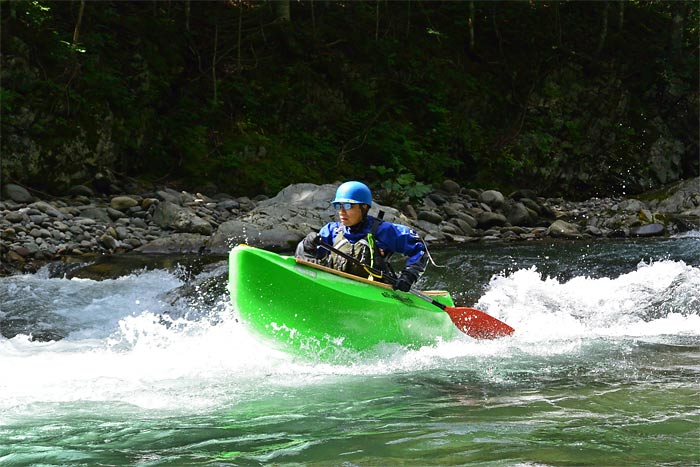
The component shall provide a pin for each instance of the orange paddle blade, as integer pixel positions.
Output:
(478, 324)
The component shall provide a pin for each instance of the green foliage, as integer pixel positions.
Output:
(399, 99)
(398, 188)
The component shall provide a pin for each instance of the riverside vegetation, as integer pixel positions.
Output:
(573, 99)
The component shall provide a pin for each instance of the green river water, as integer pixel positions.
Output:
(604, 369)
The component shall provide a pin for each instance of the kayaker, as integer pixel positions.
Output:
(369, 239)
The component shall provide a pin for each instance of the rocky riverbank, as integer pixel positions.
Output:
(164, 220)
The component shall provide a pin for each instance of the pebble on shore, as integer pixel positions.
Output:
(35, 231)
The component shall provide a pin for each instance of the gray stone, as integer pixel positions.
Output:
(486, 220)
(466, 227)
(430, 216)
(648, 230)
(171, 216)
(17, 193)
(468, 219)
(176, 243)
(230, 234)
(81, 190)
(115, 214)
(228, 204)
(563, 229)
(518, 214)
(451, 187)
(492, 198)
(97, 214)
(16, 217)
(48, 209)
(169, 195)
(593, 230)
(631, 205)
(531, 204)
(122, 203)
(109, 242)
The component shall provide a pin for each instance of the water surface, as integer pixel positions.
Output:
(603, 369)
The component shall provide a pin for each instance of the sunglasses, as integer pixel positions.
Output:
(346, 206)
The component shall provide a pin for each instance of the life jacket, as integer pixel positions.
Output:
(364, 250)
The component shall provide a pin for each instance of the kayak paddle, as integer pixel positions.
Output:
(472, 322)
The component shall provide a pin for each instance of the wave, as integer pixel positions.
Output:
(655, 299)
(126, 344)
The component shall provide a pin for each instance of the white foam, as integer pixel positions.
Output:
(666, 293)
(124, 347)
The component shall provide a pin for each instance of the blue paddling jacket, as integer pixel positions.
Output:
(388, 238)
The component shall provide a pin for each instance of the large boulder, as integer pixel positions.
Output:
(648, 230)
(16, 193)
(493, 198)
(176, 243)
(563, 229)
(519, 214)
(486, 220)
(686, 196)
(169, 215)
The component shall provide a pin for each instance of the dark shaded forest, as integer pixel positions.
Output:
(569, 98)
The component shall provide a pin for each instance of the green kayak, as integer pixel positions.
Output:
(310, 310)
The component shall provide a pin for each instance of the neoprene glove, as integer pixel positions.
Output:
(405, 280)
(311, 243)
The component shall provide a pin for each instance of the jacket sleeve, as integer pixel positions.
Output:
(327, 233)
(401, 239)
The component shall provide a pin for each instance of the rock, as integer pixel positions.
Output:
(278, 239)
(563, 229)
(532, 205)
(97, 214)
(176, 243)
(492, 198)
(518, 214)
(81, 190)
(430, 216)
(648, 230)
(17, 193)
(230, 234)
(410, 211)
(171, 216)
(169, 195)
(451, 187)
(437, 198)
(486, 220)
(115, 214)
(449, 228)
(109, 241)
(122, 203)
(593, 230)
(47, 209)
(523, 193)
(631, 205)
(468, 219)
(228, 204)
(16, 217)
(466, 227)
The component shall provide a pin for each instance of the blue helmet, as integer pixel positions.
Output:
(353, 192)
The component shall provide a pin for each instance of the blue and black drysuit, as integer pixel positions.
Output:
(379, 240)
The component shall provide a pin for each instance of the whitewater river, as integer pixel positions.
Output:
(604, 369)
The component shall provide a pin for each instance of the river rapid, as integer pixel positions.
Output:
(604, 369)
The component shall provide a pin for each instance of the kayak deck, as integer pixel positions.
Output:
(309, 309)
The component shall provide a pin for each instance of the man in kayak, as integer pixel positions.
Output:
(367, 238)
